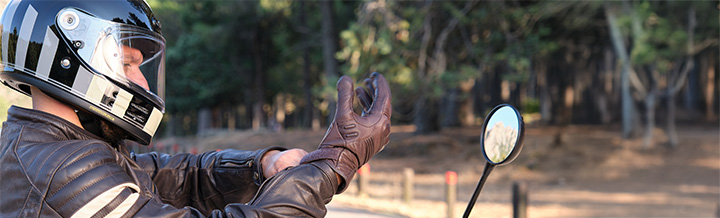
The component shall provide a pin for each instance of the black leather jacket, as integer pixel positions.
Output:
(52, 168)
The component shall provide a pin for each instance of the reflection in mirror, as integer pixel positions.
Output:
(501, 134)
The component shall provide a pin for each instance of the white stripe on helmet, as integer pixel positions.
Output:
(26, 30)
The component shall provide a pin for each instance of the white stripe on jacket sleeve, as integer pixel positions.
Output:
(97, 203)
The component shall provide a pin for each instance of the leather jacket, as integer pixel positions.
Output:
(50, 167)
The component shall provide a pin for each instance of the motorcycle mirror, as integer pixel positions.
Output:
(501, 142)
(502, 136)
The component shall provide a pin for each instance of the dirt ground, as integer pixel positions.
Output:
(571, 171)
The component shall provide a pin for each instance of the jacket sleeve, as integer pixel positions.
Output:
(205, 181)
(301, 191)
(95, 181)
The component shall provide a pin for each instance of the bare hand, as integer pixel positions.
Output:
(276, 161)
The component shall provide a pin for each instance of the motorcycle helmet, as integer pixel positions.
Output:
(104, 58)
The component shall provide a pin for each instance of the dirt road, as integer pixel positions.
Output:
(340, 211)
(571, 171)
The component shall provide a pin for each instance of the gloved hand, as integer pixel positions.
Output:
(351, 140)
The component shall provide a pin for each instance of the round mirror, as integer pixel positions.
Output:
(502, 135)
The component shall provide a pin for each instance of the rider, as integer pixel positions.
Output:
(95, 72)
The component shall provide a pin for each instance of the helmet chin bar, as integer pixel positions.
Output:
(17, 79)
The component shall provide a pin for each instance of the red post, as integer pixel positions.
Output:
(364, 180)
(176, 148)
(450, 192)
(364, 169)
(194, 150)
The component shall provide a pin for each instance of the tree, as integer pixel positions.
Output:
(447, 62)
(657, 50)
(619, 45)
(329, 49)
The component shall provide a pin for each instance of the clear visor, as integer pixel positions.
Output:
(129, 55)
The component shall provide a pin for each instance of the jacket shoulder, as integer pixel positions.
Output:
(73, 172)
(42, 160)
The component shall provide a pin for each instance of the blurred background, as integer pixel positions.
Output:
(620, 98)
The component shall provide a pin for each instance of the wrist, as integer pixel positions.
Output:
(267, 159)
(259, 163)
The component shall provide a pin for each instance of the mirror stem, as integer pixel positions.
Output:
(488, 168)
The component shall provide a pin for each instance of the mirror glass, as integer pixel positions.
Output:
(501, 134)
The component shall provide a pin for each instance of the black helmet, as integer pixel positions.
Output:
(102, 57)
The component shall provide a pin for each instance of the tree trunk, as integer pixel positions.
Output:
(232, 117)
(172, 124)
(329, 49)
(544, 90)
(678, 78)
(316, 119)
(307, 83)
(710, 90)
(650, 119)
(439, 65)
(426, 116)
(423, 118)
(619, 45)
(258, 84)
(689, 92)
(569, 101)
(672, 133)
(466, 113)
(279, 112)
(605, 92)
(450, 108)
(204, 120)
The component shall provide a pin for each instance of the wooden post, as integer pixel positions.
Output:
(450, 192)
(520, 200)
(364, 180)
(408, 176)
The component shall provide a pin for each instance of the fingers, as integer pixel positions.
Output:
(345, 98)
(374, 96)
(369, 86)
(381, 103)
(364, 97)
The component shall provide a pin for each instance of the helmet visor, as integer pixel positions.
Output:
(127, 54)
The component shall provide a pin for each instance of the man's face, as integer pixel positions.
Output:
(132, 58)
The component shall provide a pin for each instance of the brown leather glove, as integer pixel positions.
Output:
(351, 140)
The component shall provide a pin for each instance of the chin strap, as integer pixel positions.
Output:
(90, 122)
(95, 125)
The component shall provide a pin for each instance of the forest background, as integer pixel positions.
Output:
(627, 71)
(273, 64)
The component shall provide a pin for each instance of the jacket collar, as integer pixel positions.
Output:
(48, 123)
